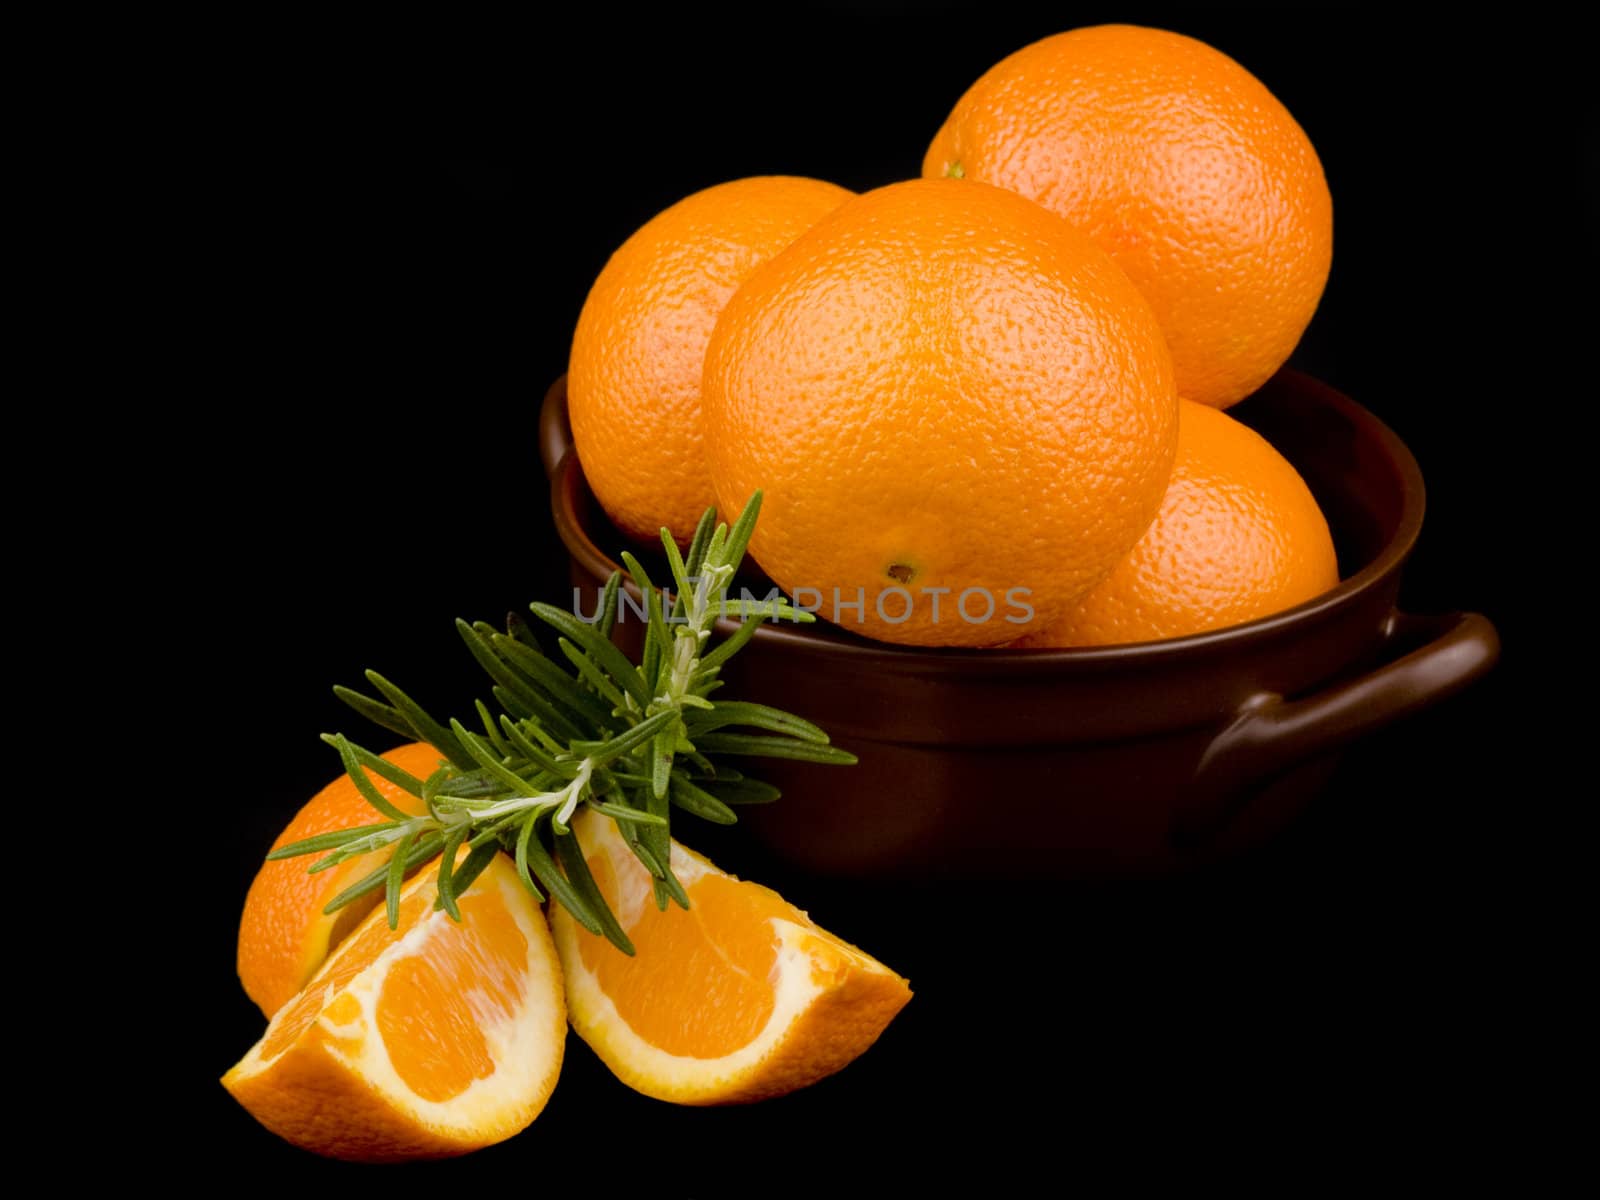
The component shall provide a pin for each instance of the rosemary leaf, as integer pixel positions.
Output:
(702, 804)
(532, 753)
(695, 559)
(759, 716)
(659, 843)
(657, 640)
(569, 854)
(498, 668)
(646, 857)
(511, 703)
(763, 610)
(489, 835)
(519, 629)
(486, 758)
(358, 776)
(378, 713)
(426, 847)
(491, 729)
(427, 729)
(601, 753)
(447, 860)
(715, 546)
(592, 672)
(773, 747)
(622, 812)
(739, 535)
(669, 884)
(681, 583)
(605, 655)
(562, 689)
(568, 896)
(395, 878)
(737, 641)
(608, 604)
(661, 762)
(525, 839)
(325, 841)
(472, 866)
(743, 791)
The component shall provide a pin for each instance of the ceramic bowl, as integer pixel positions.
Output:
(1119, 761)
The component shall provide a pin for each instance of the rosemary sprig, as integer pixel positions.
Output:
(631, 741)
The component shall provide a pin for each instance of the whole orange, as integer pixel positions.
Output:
(284, 935)
(958, 408)
(1239, 536)
(633, 383)
(1183, 167)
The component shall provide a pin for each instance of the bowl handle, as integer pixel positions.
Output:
(1272, 734)
(555, 429)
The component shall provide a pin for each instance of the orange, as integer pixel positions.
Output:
(1183, 167)
(284, 934)
(739, 998)
(1239, 536)
(957, 408)
(429, 1040)
(633, 384)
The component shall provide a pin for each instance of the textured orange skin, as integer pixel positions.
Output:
(284, 935)
(1239, 536)
(1183, 167)
(633, 383)
(944, 380)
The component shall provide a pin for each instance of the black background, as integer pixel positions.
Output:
(404, 265)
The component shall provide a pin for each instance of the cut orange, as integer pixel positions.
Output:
(429, 1040)
(284, 935)
(739, 998)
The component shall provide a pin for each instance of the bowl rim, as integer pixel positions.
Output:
(567, 474)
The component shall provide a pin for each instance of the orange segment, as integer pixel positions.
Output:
(284, 935)
(739, 998)
(432, 1039)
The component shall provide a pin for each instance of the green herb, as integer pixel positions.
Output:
(631, 742)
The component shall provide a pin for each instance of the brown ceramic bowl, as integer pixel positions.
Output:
(1101, 762)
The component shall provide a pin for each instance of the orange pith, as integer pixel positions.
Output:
(633, 385)
(284, 936)
(1178, 163)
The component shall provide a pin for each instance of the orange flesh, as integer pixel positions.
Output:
(465, 985)
(433, 1010)
(702, 1008)
(371, 941)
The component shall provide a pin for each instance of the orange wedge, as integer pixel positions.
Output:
(430, 1040)
(739, 998)
(284, 935)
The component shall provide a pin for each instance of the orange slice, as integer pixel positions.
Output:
(284, 935)
(422, 1042)
(739, 998)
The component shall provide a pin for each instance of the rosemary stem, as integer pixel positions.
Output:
(566, 799)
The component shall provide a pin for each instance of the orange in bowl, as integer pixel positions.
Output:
(1239, 536)
(1179, 164)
